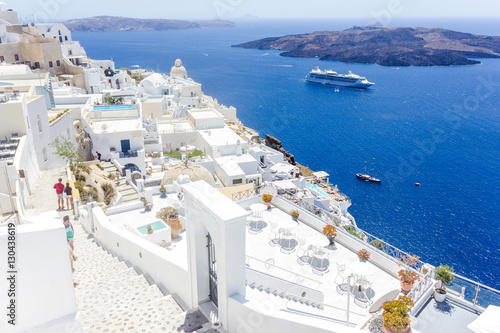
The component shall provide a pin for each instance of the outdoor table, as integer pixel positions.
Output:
(287, 223)
(258, 208)
(362, 268)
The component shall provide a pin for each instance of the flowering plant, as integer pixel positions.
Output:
(407, 261)
(267, 197)
(167, 213)
(363, 254)
(408, 276)
(294, 213)
(396, 313)
(329, 230)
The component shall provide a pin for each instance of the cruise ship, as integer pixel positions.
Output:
(335, 79)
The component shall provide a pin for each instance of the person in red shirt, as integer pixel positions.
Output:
(59, 186)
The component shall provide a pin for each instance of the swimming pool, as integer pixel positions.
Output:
(112, 107)
(318, 189)
(158, 225)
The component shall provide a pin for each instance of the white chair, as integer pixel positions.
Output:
(362, 298)
(342, 287)
(303, 252)
(274, 234)
(320, 262)
(288, 242)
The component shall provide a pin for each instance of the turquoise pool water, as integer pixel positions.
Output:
(317, 188)
(113, 107)
(158, 225)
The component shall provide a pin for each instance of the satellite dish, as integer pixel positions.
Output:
(104, 127)
(109, 72)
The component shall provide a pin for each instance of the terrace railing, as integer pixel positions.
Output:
(246, 193)
(283, 273)
(323, 310)
(474, 292)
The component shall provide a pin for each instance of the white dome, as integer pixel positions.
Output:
(178, 70)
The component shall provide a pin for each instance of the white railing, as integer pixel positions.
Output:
(283, 273)
(322, 310)
(474, 292)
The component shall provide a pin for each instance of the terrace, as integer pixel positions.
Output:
(280, 269)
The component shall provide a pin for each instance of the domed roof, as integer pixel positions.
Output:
(193, 170)
(178, 69)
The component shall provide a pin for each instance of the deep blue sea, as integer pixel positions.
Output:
(438, 126)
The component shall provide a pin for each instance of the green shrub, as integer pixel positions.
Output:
(378, 244)
(79, 177)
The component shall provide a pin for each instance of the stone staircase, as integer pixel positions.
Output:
(112, 296)
(128, 193)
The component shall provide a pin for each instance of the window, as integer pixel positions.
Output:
(39, 123)
(37, 65)
(70, 52)
(45, 157)
(59, 32)
(16, 57)
(2, 59)
(43, 35)
(58, 63)
(237, 181)
(66, 38)
(60, 39)
(51, 64)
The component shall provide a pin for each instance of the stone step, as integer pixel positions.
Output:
(127, 191)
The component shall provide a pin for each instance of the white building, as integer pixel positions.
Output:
(57, 31)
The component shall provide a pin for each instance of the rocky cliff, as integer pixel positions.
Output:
(276, 144)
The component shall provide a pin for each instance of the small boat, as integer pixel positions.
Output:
(366, 177)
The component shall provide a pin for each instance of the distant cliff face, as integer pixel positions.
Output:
(115, 23)
(386, 46)
(276, 144)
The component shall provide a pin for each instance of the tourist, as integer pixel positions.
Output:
(98, 154)
(69, 231)
(59, 186)
(68, 191)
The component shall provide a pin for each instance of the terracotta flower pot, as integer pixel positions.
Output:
(406, 287)
(268, 204)
(407, 329)
(175, 227)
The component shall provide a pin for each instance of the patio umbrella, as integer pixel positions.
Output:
(487, 322)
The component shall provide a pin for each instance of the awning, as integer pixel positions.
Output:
(285, 184)
(487, 322)
(320, 174)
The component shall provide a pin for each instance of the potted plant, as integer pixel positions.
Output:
(406, 274)
(170, 216)
(396, 315)
(444, 275)
(163, 192)
(330, 232)
(147, 205)
(267, 200)
(150, 229)
(295, 214)
(363, 255)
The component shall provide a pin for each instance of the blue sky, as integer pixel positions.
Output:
(56, 10)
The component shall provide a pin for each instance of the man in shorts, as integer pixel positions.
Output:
(59, 186)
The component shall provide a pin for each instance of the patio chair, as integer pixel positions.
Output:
(320, 262)
(274, 234)
(303, 252)
(343, 286)
(288, 242)
(361, 298)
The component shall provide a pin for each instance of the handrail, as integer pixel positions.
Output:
(475, 282)
(286, 270)
(320, 306)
